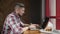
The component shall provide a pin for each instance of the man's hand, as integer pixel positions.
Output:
(35, 25)
(26, 25)
(25, 29)
(32, 25)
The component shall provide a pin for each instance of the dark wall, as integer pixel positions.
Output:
(36, 11)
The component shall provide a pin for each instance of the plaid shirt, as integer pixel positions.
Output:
(12, 24)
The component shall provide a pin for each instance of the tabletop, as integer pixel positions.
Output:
(38, 32)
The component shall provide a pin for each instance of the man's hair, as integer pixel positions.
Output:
(19, 5)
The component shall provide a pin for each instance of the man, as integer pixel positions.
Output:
(13, 23)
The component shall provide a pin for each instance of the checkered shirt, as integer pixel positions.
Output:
(13, 24)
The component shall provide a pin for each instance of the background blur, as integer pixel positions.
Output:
(36, 11)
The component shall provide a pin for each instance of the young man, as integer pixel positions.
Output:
(13, 23)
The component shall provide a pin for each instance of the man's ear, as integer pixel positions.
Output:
(17, 10)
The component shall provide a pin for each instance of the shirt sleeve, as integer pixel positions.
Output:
(15, 27)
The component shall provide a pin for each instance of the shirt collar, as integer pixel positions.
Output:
(17, 15)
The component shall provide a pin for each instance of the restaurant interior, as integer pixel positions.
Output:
(36, 12)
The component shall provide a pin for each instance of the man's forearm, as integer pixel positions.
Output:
(24, 29)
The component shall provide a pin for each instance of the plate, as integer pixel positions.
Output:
(45, 31)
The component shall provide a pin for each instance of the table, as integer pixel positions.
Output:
(33, 32)
(38, 32)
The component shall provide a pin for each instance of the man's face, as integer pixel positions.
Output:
(21, 11)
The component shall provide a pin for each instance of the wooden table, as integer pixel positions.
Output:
(32, 32)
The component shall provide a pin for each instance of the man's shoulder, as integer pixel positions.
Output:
(11, 15)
